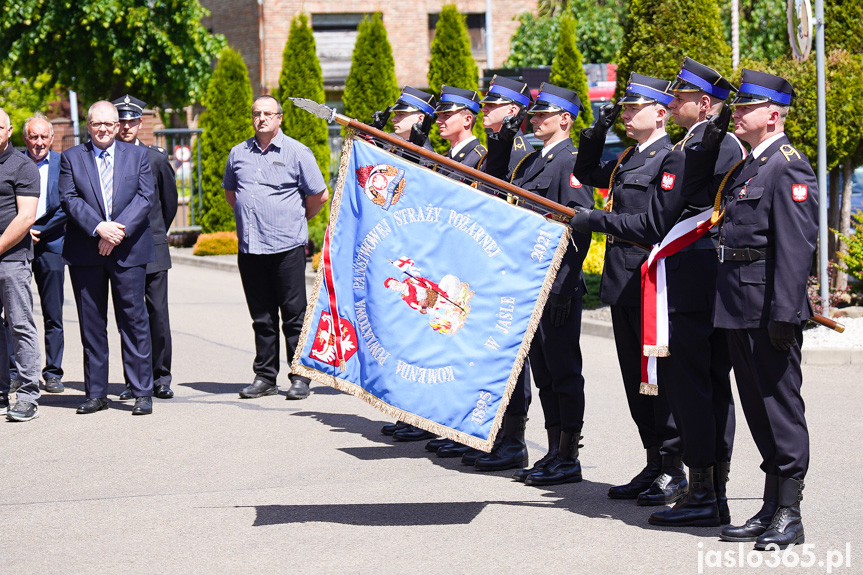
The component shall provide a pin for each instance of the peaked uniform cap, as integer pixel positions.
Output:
(506, 90)
(452, 99)
(553, 98)
(696, 77)
(643, 89)
(413, 100)
(759, 87)
(129, 108)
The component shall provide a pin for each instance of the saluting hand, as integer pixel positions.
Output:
(418, 137)
(511, 125)
(604, 120)
(380, 118)
(715, 130)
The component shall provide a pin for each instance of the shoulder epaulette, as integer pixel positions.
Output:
(789, 152)
(519, 143)
(480, 149)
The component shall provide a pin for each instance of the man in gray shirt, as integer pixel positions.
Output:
(274, 185)
(19, 196)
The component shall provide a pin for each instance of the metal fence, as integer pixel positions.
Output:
(184, 150)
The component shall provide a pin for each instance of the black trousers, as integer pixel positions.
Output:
(274, 284)
(555, 361)
(156, 298)
(519, 401)
(695, 380)
(651, 413)
(769, 384)
(49, 273)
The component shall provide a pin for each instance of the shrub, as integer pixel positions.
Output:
(226, 123)
(567, 71)
(216, 244)
(301, 77)
(452, 64)
(371, 84)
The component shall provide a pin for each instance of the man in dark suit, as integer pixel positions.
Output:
(766, 242)
(106, 188)
(632, 181)
(555, 353)
(48, 233)
(162, 214)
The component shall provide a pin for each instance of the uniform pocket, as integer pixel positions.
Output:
(746, 210)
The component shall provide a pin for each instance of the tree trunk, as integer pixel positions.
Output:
(845, 218)
(835, 205)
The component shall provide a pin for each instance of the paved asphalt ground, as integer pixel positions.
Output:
(214, 484)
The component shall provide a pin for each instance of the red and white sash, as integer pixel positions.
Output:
(654, 295)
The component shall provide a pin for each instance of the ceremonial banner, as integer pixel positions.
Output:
(428, 295)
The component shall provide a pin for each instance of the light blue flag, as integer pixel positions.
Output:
(438, 289)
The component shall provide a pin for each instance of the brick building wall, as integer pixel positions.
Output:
(406, 23)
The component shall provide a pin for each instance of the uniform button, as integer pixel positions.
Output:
(798, 314)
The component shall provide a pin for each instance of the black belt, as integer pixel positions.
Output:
(729, 254)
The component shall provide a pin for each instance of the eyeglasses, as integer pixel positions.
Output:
(101, 125)
(266, 115)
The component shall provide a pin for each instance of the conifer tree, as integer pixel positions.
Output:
(371, 84)
(301, 77)
(226, 123)
(452, 64)
(659, 35)
(567, 71)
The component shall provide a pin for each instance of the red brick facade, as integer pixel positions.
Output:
(406, 22)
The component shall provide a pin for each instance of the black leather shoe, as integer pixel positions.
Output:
(470, 457)
(553, 435)
(163, 392)
(512, 450)
(453, 450)
(643, 480)
(126, 395)
(670, 486)
(93, 405)
(143, 406)
(54, 385)
(436, 444)
(565, 468)
(411, 433)
(758, 524)
(697, 509)
(259, 388)
(786, 528)
(4, 400)
(299, 389)
(391, 428)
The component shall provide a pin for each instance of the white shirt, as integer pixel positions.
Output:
(546, 149)
(647, 144)
(762, 147)
(42, 206)
(460, 146)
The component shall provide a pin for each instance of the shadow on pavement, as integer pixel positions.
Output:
(372, 514)
(214, 387)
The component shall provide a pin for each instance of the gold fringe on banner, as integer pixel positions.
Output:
(656, 351)
(395, 412)
(648, 389)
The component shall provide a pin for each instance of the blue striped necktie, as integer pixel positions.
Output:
(106, 174)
